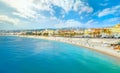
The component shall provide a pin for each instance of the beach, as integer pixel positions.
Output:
(28, 54)
(101, 45)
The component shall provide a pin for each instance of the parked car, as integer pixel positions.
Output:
(107, 36)
(104, 36)
(87, 36)
(117, 36)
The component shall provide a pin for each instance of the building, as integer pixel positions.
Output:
(67, 33)
(47, 32)
(115, 29)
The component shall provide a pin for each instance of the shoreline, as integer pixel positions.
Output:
(96, 44)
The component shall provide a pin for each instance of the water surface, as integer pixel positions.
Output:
(27, 55)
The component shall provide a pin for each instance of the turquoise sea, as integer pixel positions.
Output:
(28, 55)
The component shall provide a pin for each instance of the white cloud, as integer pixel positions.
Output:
(112, 20)
(82, 7)
(73, 23)
(69, 23)
(64, 4)
(31, 8)
(20, 15)
(22, 7)
(103, 4)
(6, 19)
(107, 11)
(91, 23)
(86, 9)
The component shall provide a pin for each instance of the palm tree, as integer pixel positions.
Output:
(106, 31)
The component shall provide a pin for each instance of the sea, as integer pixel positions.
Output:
(30, 55)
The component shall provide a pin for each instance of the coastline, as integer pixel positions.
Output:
(97, 44)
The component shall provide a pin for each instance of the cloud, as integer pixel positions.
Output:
(19, 14)
(66, 5)
(114, 20)
(109, 22)
(103, 4)
(31, 8)
(69, 24)
(36, 12)
(108, 11)
(91, 23)
(73, 23)
(23, 7)
(82, 7)
(6, 19)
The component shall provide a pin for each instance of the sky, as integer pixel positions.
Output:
(39, 14)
